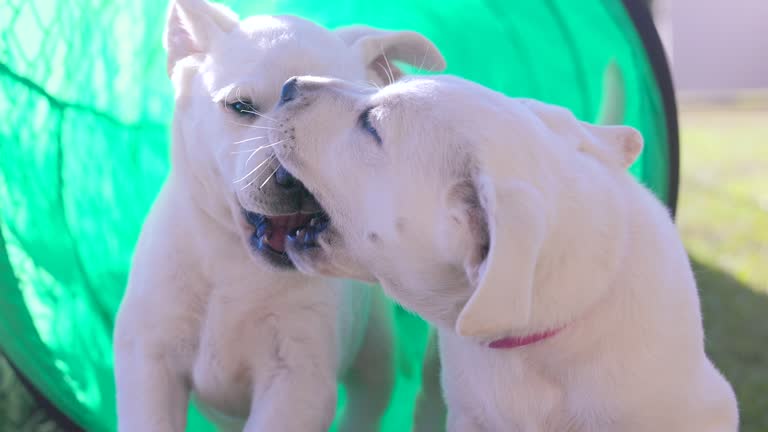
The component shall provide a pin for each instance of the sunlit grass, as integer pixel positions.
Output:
(723, 218)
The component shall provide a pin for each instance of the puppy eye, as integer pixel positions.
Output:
(365, 123)
(242, 108)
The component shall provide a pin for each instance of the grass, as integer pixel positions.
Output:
(723, 219)
(18, 410)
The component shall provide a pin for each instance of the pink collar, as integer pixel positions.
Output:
(515, 342)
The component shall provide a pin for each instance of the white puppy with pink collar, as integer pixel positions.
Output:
(562, 293)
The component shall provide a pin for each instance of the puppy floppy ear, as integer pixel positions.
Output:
(615, 146)
(191, 27)
(505, 278)
(380, 48)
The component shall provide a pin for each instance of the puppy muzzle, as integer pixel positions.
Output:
(301, 220)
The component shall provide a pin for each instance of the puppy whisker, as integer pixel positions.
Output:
(227, 101)
(258, 176)
(262, 148)
(273, 157)
(269, 177)
(250, 183)
(252, 126)
(367, 84)
(267, 167)
(424, 58)
(249, 139)
(260, 127)
(255, 169)
(390, 74)
(385, 73)
(254, 111)
(260, 115)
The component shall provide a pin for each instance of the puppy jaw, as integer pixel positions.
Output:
(328, 261)
(300, 152)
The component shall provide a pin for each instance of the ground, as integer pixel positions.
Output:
(723, 219)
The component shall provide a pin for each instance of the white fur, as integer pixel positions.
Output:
(258, 347)
(494, 217)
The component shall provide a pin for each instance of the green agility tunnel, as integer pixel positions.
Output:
(84, 140)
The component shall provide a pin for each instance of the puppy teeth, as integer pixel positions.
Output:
(301, 233)
(262, 230)
(309, 238)
(261, 243)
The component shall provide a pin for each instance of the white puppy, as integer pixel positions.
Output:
(214, 307)
(563, 296)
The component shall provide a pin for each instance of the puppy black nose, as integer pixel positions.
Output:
(284, 179)
(290, 90)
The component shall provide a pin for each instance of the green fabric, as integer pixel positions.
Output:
(85, 106)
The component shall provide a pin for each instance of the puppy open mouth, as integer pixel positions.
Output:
(272, 232)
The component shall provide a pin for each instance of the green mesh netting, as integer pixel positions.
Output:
(85, 105)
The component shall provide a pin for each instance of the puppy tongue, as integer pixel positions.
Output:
(281, 226)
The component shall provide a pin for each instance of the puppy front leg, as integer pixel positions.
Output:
(296, 400)
(370, 380)
(430, 413)
(150, 396)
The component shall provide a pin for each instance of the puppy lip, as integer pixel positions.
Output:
(307, 257)
(304, 259)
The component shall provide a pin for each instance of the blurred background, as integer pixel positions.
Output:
(718, 55)
(718, 52)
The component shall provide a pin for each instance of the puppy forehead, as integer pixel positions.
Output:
(449, 97)
(431, 103)
(271, 49)
(288, 32)
(259, 25)
(407, 93)
(427, 128)
(456, 118)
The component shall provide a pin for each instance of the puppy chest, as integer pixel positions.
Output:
(231, 356)
(501, 392)
(244, 346)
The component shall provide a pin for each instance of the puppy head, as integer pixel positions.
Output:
(227, 71)
(460, 201)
